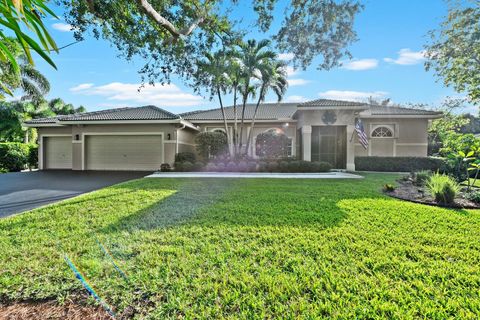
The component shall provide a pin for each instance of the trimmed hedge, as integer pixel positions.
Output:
(399, 164)
(292, 166)
(16, 156)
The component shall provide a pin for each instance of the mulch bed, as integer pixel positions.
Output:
(406, 190)
(52, 310)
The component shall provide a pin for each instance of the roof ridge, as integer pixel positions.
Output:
(405, 108)
(238, 106)
(161, 109)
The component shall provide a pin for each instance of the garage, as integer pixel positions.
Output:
(123, 152)
(58, 152)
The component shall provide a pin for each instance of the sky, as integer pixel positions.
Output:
(387, 63)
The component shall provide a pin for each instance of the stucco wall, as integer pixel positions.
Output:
(81, 130)
(410, 138)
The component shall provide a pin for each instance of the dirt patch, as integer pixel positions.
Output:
(406, 190)
(51, 310)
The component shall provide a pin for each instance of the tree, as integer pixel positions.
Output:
(454, 50)
(29, 13)
(214, 68)
(171, 35)
(273, 76)
(29, 80)
(253, 56)
(59, 107)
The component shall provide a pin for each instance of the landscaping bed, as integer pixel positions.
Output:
(407, 190)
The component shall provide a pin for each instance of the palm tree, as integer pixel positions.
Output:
(59, 107)
(273, 76)
(29, 80)
(215, 68)
(252, 56)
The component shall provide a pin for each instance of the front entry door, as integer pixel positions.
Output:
(329, 144)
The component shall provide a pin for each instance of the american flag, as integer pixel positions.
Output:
(362, 136)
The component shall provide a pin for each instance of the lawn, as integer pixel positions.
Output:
(250, 248)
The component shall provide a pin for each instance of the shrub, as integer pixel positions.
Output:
(187, 166)
(32, 161)
(473, 196)
(211, 144)
(242, 166)
(14, 156)
(185, 156)
(399, 164)
(165, 167)
(198, 165)
(443, 188)
(211, 167)
(321, 166)
(421, 177)
(271, 145)
(388, 187)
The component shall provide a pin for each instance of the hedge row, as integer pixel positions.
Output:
(399, 164)
(16, 156)
(254, 166)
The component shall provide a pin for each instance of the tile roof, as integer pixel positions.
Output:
(331, 103)
(382, 110)
(266, 111)
(139, 113)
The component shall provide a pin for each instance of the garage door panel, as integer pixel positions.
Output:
(124, 152)
(58, 152)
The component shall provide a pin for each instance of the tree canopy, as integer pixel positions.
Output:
(454, 49)
(171, 35)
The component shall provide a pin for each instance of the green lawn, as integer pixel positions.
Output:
(250, 248)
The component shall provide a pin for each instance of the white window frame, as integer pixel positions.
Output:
(390, 127)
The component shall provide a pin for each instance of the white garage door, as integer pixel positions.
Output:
(58, 152)
(123, 152)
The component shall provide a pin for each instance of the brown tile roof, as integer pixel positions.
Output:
(266, 111)
(139, 113)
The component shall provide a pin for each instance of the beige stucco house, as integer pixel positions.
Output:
(145, 137)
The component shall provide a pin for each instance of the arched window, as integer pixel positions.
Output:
(382, 132)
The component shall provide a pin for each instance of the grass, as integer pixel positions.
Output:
(477, 183)
(251, 249)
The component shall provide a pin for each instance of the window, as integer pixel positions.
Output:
(382, 132)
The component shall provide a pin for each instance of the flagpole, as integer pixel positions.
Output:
(353, 132)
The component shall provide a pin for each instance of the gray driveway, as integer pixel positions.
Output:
(22, 191)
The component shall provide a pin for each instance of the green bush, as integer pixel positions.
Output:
(211, 144)
(399, 164)
(421, 177)
(271, 145)
(443, 188)
(473, 196)
(185, 156)
(16, 156)
(165, 167)
(32, 161)
(388, 187)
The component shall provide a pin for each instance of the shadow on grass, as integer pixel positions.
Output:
(190, 197)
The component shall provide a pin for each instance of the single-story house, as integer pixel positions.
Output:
(145, 137)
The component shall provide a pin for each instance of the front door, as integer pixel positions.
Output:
(329, 144)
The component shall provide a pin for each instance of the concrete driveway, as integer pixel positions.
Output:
(22, 191)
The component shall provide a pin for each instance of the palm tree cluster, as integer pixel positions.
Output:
(247, 70)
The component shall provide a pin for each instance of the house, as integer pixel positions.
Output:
(143, 138)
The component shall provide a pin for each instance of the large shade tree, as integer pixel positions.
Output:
(454, 49)
(171, 35)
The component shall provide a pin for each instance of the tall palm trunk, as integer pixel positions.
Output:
(250, 134)
(224, 118)
(242, 121)
(235, 119)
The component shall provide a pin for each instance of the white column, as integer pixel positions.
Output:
(350, 148)
(307, 143)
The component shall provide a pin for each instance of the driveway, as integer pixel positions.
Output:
(22, 191)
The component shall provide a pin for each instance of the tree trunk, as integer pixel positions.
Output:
(224, 118)
(25, 137)
(250, 134)
(235, 128)
(242, 121)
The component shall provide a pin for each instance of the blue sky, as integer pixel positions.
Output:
(388, 63)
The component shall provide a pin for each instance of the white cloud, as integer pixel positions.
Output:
(64, 27)
(291, 71)
(294, 98)
(161, 95)
(81, 87)
(351, 95)
(297, 82)
(360, 64)
(407, 57)
(286, 56)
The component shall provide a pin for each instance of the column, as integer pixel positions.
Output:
(307, 143)
(350, 148)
